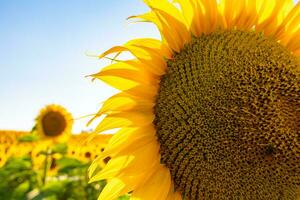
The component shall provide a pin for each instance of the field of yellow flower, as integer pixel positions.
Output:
(50, 163)
(31, 168)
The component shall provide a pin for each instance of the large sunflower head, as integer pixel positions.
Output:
(54, 122)
(212, 111)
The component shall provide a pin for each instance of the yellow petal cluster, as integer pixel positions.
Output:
(134, 151)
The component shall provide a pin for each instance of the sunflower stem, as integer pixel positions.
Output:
(46, 165)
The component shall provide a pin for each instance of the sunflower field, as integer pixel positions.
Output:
(50, 163)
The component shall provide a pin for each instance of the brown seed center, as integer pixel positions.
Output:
(54, 123)
(227, 117)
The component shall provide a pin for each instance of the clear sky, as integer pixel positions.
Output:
(43, 59)
(43, 45)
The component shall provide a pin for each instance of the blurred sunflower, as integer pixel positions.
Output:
(53, 167)
(212, 110)
(37, 157)
(87, 153)
(8, 137)
(73, 151)
(3, 155)
(55, 123)
(81, 148)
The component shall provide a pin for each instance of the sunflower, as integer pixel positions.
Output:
(54, 123)
(81, 148)
(3, 155)
(37, 157)
(52, 165)
(210, 111)
(10, 136)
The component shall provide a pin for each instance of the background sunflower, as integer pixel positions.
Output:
(55, 123)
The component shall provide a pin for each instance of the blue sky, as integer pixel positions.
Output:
(43, 54)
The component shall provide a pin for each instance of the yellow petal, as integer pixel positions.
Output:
(123, 84)
(271, 13)
(124, 119)
(174, 26)
(265, 8)
(153, 44)
(151, 54)
(156, 187)
(145, 158)
(242, 15)
(162, 27)
(131, 100)
(297, 53)
(248, 17)
(232, 13)
(290, 24)
(148, 56)
(133, 162)
(134, 64)
(167, 6)
(170, 14)
(133, 138)
(294, 42)
(137, 76)
(118, 83)
(144, 64)
(119, 103)
(170, 18)
(112, 190)
(172, 195)
(171, 38)
(209, 15)
(112, 168)
(133, 181)
(115, 49)
(93, 167)
(177, 196)
(187, 11)
(147, 92)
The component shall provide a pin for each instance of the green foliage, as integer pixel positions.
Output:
(17, 178)
(67, 190)
(61, 148)
(28, 138)
(124, 197)
(19, 181)
(71, 166)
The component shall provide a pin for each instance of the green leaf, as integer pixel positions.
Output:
(18, 164)
(61, 148)
(28, 138)
(21, 191)
(53, 187)
(33, 129)
(66, 164)
(124, 197)
(17, 178)
(43, 152)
